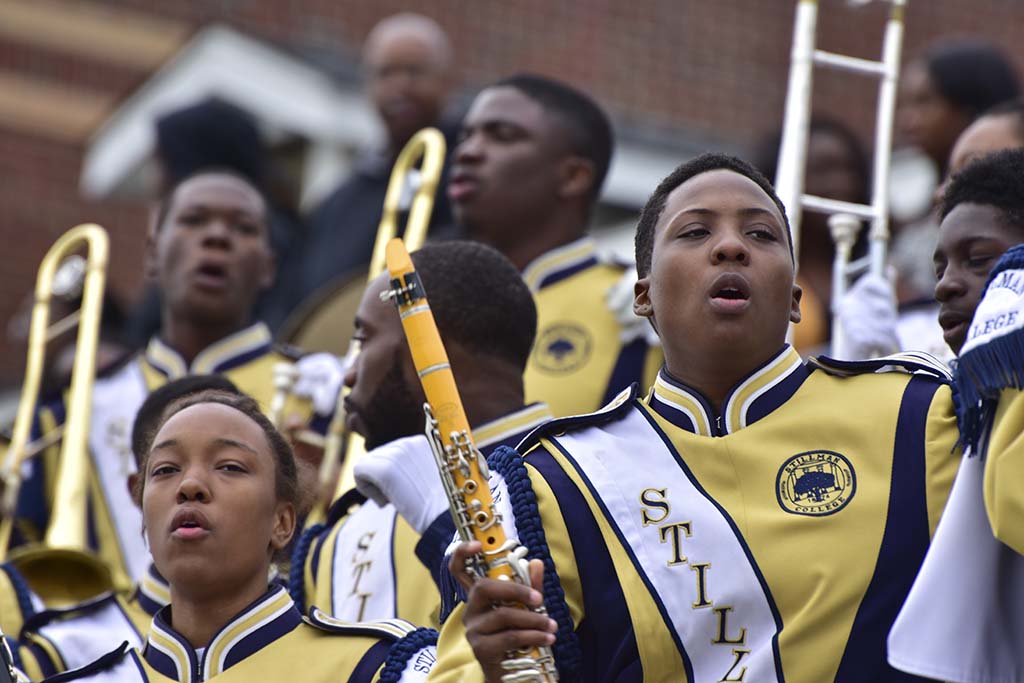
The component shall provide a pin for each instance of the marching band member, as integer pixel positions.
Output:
(209, 252)
(868, 313)
(754, 517)
(527, 171)
(963, 618)
(363, 563)
(59, 639)
(218, 490)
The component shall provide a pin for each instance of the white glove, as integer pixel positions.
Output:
(319, 380)
(619, 299)
(404, 473)
(868, 319)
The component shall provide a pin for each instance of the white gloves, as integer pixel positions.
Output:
(319, 379)
(403, 472)
(619, 299)
(868, 319)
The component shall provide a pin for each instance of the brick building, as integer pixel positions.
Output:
(677, 76)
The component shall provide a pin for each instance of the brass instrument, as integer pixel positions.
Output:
(336, 473)
(61, 569)
(789, 181)
(462, 467)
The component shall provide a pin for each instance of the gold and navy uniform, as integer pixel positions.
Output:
(964, 618)
(773, 541)
(367, 562)
(58, 639)
(270, 640)
(579, 360)
(247, 358)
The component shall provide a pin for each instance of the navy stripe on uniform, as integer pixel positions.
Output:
(371, 662)
(629, 368)
(607, 633)
(904, 544)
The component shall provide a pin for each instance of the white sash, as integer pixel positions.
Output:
(82, 639)
(684, 547)
(964, 617)
(115, 401)
(362, 568)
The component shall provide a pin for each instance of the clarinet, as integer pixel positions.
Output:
(463, 468)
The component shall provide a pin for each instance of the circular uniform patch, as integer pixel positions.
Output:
(815, 483)
(562, 347)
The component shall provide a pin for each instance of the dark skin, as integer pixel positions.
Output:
(926, 118)
(386, 401)
(212, 466)
(408, 64)
(972, 237)
(515, 183)
(831, 173)
(986, 135)
(720, 292)
(211, 258)
(716, 224)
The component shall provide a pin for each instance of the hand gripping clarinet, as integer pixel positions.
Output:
(463, 468)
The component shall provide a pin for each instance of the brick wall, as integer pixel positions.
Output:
(713, 68)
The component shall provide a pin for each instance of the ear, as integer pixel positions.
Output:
(152, 233)
(642, 299)
(284, 526)
(133, 480)
(576, 177)
(794, 308)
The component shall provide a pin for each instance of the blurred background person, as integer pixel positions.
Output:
(919, 327)
(215, 134)
(837, 167)
(941, 93)
(408, 66)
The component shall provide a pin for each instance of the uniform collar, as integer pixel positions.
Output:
(509, 430)
(560, 263)
(152, 593)
(229, 352)
(760, 393)
(261, 623)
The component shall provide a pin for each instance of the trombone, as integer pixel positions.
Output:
(415, 190)
(844, 222)
(46, 566)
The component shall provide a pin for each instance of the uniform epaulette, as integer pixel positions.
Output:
(104, 664)
(388, 629)
(909, 362)
(615, 409)
(52, 614)
(289, 351)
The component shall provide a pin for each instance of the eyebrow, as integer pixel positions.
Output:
(220, 441)
(749, 211)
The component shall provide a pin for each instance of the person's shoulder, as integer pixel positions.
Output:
(409, 648)
(614, 410)
(906, 364)
(121, 665)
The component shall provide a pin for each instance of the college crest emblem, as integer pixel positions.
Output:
(562, 347)
(815, 483)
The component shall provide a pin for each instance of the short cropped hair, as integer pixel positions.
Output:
(587, 127)
(655, 205)
(995, 180)
(286, 484)
(479, 299)
(167, 199)
(971, 74)
(150, 413)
